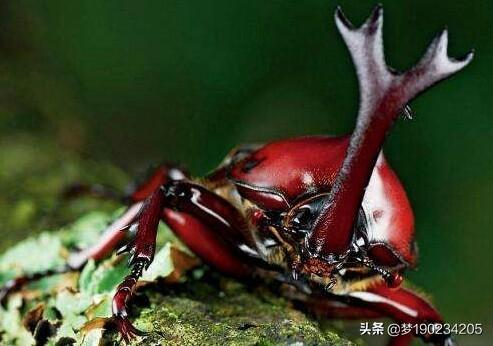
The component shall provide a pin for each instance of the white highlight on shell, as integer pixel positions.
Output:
(374, 298)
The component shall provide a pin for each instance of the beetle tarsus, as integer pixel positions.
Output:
(122, 296)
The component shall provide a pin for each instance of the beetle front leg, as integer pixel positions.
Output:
(402, 305)
(163, 174)
(141, 249)
(200, 207)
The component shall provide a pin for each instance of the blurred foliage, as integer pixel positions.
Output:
(130, 83)
(33, 175)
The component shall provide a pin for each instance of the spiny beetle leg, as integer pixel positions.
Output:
(143, 246)
(113, 235)
(184, 197)
(119, 306)
(110, 239)
(141, 251)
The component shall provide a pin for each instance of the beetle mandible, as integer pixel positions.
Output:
(326, 215)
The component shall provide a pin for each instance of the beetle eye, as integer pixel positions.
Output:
(302, 217)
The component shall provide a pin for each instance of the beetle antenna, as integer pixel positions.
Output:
(392, 279)
(385, 274)
(384, 93)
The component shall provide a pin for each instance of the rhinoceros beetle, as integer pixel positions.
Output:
(326, 215)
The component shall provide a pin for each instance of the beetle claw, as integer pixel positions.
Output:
(127, 330)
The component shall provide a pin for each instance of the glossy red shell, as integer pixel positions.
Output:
(282, 173)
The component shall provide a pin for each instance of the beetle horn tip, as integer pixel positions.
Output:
(437, 55)
(374, 20)
(376, 15)
(467, 58)
(341, 20)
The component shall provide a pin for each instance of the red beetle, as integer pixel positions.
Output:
(326, 215)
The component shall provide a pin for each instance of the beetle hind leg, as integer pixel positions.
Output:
(402, 305)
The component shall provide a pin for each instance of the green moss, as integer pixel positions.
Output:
(203, 313)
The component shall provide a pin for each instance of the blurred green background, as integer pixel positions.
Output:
(130, 83)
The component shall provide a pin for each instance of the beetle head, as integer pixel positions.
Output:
(355, 264)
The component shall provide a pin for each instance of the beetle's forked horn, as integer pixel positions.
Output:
(383, 94)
